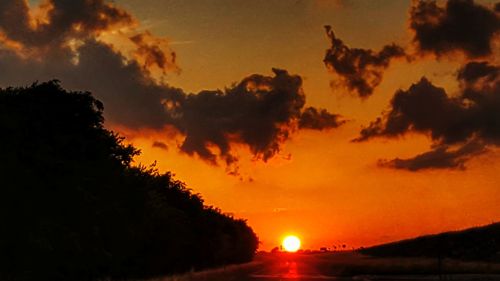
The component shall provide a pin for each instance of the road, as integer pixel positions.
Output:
(348, 266)
(290, 269)
(296, 267)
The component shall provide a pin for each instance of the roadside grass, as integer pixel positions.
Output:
(351, 264)
(228, 273)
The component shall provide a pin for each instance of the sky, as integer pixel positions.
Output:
(383, 126)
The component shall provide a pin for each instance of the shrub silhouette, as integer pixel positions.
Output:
(72, 207)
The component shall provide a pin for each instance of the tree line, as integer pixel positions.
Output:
(477, 243)
(74, 207)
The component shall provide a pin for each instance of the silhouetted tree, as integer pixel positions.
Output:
(74, 208)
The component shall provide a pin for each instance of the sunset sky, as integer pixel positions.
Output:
(333, 176)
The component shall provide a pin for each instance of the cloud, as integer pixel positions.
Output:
(57, 28)
(459, 26)
(462, 25)
(65, 41)
(161, 145)
(130, 96)
(151, 55)
(260, 112)
(62, 20)
(440, 157)
(319, 119)
(422, 108)
(472, 117)
(475, 71)
(358, 70)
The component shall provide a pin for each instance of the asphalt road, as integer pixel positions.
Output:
(331, 267)
(293, 267)
(290, 270)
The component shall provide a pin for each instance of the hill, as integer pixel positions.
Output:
(478, 243)
(73, 207)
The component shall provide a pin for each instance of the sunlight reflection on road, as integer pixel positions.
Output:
(292, 270)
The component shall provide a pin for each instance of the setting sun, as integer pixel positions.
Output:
(291, 243)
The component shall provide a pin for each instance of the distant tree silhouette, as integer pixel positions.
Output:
(74, 208)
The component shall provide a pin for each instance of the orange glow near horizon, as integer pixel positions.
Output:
(335, 206)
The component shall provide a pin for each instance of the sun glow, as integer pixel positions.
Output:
(291, 243)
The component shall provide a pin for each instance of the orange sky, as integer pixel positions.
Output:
(330, 191)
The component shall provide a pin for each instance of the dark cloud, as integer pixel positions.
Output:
(260, 112)
(462, 25)
(440, 157)
(472, 117)
(477, 75)
(359, 70)
(150, 53)
(64, 19)
(161, 145)
(131, 97)
(319, 119)
(60, 27)
(422, 108)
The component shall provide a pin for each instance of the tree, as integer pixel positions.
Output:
(73, 207)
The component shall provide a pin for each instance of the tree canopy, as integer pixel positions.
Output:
(73, 207)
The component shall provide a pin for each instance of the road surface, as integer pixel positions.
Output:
(349, 266)
(290, 270)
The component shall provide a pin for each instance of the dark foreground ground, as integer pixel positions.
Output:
(347, 266)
